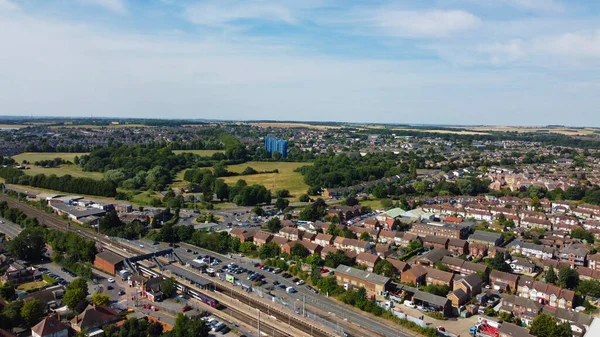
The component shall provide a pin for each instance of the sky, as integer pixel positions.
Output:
(462, 62)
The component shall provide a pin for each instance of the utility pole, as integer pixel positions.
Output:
(258, 311)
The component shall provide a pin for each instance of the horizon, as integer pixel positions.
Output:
(456, 62)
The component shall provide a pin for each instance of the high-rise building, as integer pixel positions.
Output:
(273, 144)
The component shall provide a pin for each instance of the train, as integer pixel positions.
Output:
(204, 299)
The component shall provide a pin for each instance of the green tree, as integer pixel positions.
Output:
(32, 311)
(543, 325)
(155, 329)
(168, 287)
(304, 198)
(73, 297)
(100, 299)
(79, 283)
(7, 291)
(365, 236)
(281, 203)
(299, 250)
(29, 244)
(268, 250)
(351, 201)
(385, 268)
(221, 189)
(498, 263)
(563, 330)
(568, 278)
(274, 225)
(190, 327)
(551, 276)
(247, 247)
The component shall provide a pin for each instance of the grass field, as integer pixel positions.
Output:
(32, 285)
(73, 170)
(296, 125)
(199, 152)
(12, 126)
(559, 130)
(286, 178)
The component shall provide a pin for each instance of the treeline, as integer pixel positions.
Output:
(342, 170)
(65, 183)
(45, 147)
(51, 162)
(6, 161)
(241, 193)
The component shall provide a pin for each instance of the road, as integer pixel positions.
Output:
(339, 313)
(10, 229)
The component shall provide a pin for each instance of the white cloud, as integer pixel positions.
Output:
(570, 45)
(536, 5)
(115, 6)
(6, 6)
(216, 13)
(501, 53)
(423, 24)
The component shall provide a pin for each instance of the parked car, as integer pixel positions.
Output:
(300, 282)
(111, 280)
(409, 304)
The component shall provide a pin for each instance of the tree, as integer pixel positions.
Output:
(155, 329)
(281, 203)
(100, 299)
(551, 276)
(73, 297)
(568, 278)
(258, 211)
(79, 283)
(168, 287)
(32, 312)
(351, 201)
(498, 263)
(365, 236)
(29, 244)
(563, 330)
(268, 250)
(7, 291)
(190, 327)
(247, 247)
(543, 325)
(11, 314)
(385, 268)
(580, 233)
(221, 189)
(299, 250)
(333, 260)
(274, 225)
(304, 198)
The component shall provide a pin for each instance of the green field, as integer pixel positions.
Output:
(73, 170)
(203, 153)
(112, 126)
(286, 178)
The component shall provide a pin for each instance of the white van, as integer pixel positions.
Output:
(409, 304)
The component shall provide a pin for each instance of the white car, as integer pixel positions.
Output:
(111, 280)
(301, 282)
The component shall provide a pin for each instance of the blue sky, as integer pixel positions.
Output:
(501, 62)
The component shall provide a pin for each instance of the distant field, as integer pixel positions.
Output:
(35, 156)
(12, 126)
(199, 152)
(115, 126)
(286, 178)
(296, 125)
(563, 131)
(458, 132)
(73, 170)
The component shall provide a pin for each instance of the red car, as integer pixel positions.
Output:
(186, 308)
(324, 270)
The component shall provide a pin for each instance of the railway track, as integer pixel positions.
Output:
(252, 320)
(53, 222)
(128, 251)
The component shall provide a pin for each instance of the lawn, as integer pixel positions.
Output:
(374, 204)
(32, 285)
(73, 170)
(286, 178)
(204, 153)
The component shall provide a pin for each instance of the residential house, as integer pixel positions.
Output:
(262, 238)
(94, 317)
(501, 280)
(520, 307)
(242, 234)
(50, 327)
(401, 266)
(464, 267)
(458, 247)
(512, 330)
(439, 277)
(574, 255)
(407, 238)
(367, 259)
(521, 265)
(534, 251)
(478, 249)
(326, 250)
(588, 273)
(352, 244)
(373, 283)
(490, 239)
(437, 229)
(290, 233)
(415, 275)
(531, 223)
(435, 242)
(432, 256)
(594, 261)
(18, 273)
(389, 237)
(323, 240)
(464, 289)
